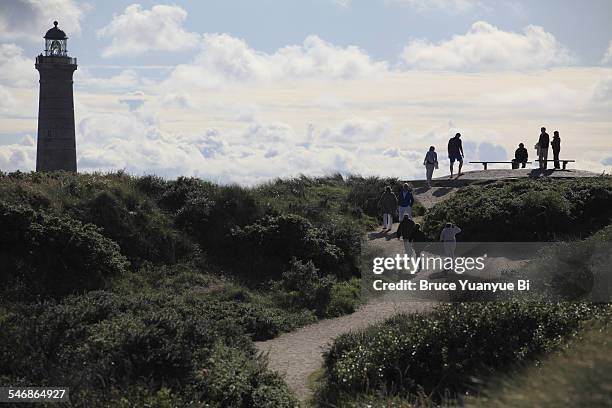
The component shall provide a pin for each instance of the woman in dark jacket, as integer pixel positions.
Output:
(418, 239)
(404, 230)
(388, 203)
(556, 148)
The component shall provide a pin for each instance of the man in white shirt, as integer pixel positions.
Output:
(447, 237)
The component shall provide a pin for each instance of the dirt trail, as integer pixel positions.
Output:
(298, 354)
(429, 197)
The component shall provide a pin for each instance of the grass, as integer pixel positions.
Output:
(579, 376)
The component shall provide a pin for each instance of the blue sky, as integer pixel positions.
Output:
(380, 27)
(247, 90)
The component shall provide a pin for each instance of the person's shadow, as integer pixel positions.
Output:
(387, 235)
(442, 191)
(536, 173)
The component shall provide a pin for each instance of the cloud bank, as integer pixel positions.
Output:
(224, 60)
(30, 19)
(138, 31)
(487, 48)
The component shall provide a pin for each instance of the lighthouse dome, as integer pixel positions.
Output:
(55, 33)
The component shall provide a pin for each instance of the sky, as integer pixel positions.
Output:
(244, 91)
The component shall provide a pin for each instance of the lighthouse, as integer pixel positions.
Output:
(56, 144)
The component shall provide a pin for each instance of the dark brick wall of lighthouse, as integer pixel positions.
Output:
(56, 147)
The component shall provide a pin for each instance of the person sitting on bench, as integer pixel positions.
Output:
(521, 156)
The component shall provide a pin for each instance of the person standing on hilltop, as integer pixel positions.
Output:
(430, 163)
(406, 201)
(556, 148)
(543, 143)
(388, 203)
(455, 152)
(521, 156)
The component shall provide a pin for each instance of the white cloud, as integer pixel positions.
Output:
(486, 48)
(269, 134)
(225, 59)
(460, 6)
(15, 69)
(342, 3)
(30, 19)
(127, 79)
(181, 100)
(602, 92)
(355, 131)
(548, 99)
(607, 58)
(138, 31)
(19, 156)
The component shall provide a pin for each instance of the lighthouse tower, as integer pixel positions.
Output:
(56, 146)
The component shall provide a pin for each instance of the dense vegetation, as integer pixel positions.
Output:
(530, 210)
(442, 357)
(448, 352)
(140, 291)
(136, 291)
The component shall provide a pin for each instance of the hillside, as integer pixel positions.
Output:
(153, 291)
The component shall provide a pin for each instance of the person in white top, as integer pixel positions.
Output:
(447, 237)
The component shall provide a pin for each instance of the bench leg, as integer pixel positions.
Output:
(485, 165)
(564, 165)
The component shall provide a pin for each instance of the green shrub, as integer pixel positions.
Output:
(44, 255)
(345, 297)
(175, 194)
(102, 343)
(303, 286)
(267, 246)
(446, 350)
(235, 379)
(364, 192)
(525, 210)
(141, 232)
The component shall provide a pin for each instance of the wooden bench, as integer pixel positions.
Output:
(562, 161)
(485, 163)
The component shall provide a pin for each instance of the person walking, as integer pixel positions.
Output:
(388, 204)
(543, 143)
(418, 240)
(449, 240)
(404, 230)
(430, 163)
(521, 156)
(556, 148)
(455, 152)
(406, 201)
